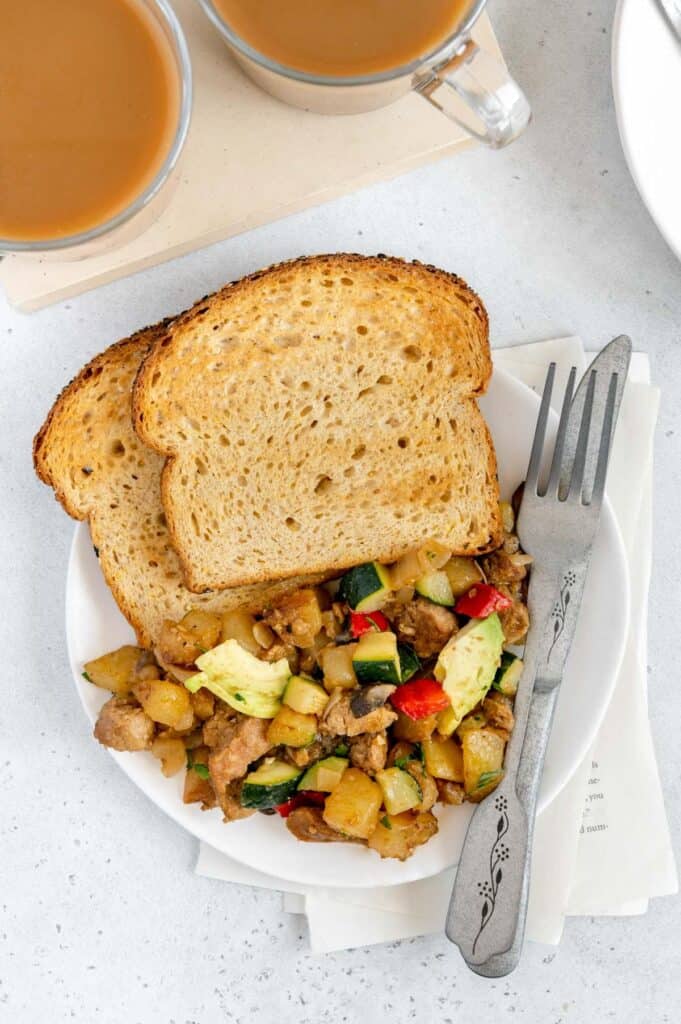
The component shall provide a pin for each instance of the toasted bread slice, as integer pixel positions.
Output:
(101, 472)
(319, 414)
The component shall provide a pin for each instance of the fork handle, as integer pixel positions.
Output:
(487, 913)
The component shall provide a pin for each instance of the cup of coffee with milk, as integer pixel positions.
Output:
(349, 56)
(94, 111)
(96, 97)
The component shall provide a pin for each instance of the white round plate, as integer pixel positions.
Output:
(646, 75)
(94, 625)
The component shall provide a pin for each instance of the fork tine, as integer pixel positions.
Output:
(614, 358)
(556, 463)
(579, 464)
(540, 433)
(606, 439)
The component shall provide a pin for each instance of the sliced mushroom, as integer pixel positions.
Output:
(370, 698)
(178, 672)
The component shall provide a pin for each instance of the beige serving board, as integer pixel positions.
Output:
(250, 159)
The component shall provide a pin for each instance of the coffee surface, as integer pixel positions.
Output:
(343, 37)
(89, 101)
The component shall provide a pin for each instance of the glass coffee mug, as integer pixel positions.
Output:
(458, 78)
(145, 182)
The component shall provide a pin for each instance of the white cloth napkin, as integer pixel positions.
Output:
(614, 800)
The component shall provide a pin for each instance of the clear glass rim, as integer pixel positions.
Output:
(443, 49)
(179, 43)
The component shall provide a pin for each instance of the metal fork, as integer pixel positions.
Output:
(557, 525)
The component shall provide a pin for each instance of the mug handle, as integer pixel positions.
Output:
(486, 88)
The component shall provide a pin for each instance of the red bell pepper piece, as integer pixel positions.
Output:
(308, 798)
(420, 698)
(361, 623)
(481, 600)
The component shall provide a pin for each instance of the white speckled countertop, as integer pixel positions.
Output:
(101, 918)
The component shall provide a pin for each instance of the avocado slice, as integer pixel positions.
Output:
(244, 682)
(468, 663)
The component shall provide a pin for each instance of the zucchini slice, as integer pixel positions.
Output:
(273, 783)
(436, 587)
(324, 776)
(410, 662)
(366, 587)
(508, 674)
(305, 696)
(376, 659)
(401, 791)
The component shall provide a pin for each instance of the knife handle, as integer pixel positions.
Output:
(488, 909)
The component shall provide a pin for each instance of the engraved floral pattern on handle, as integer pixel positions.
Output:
(560, 611)
(498, 854)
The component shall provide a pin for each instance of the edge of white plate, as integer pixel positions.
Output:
(588, 743)
(615, 76)
(545, 799)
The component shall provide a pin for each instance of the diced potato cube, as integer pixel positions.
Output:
(183, 642)
(475, 720)
(297, 618)
(483, 758)
(507, 516)
(354, 804)
(406, 728)
(238, 625)
(433, 555)
(197, 785)
(398, 835)
(171, 753)
(336, 664)
(444, 758)
(401, 791)
(203, 703)
(177, 645)
(114, 671)
(291, 728)
(166, 702)
(447, 721)
(405, 570)
(462, 574)
(204, 627)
